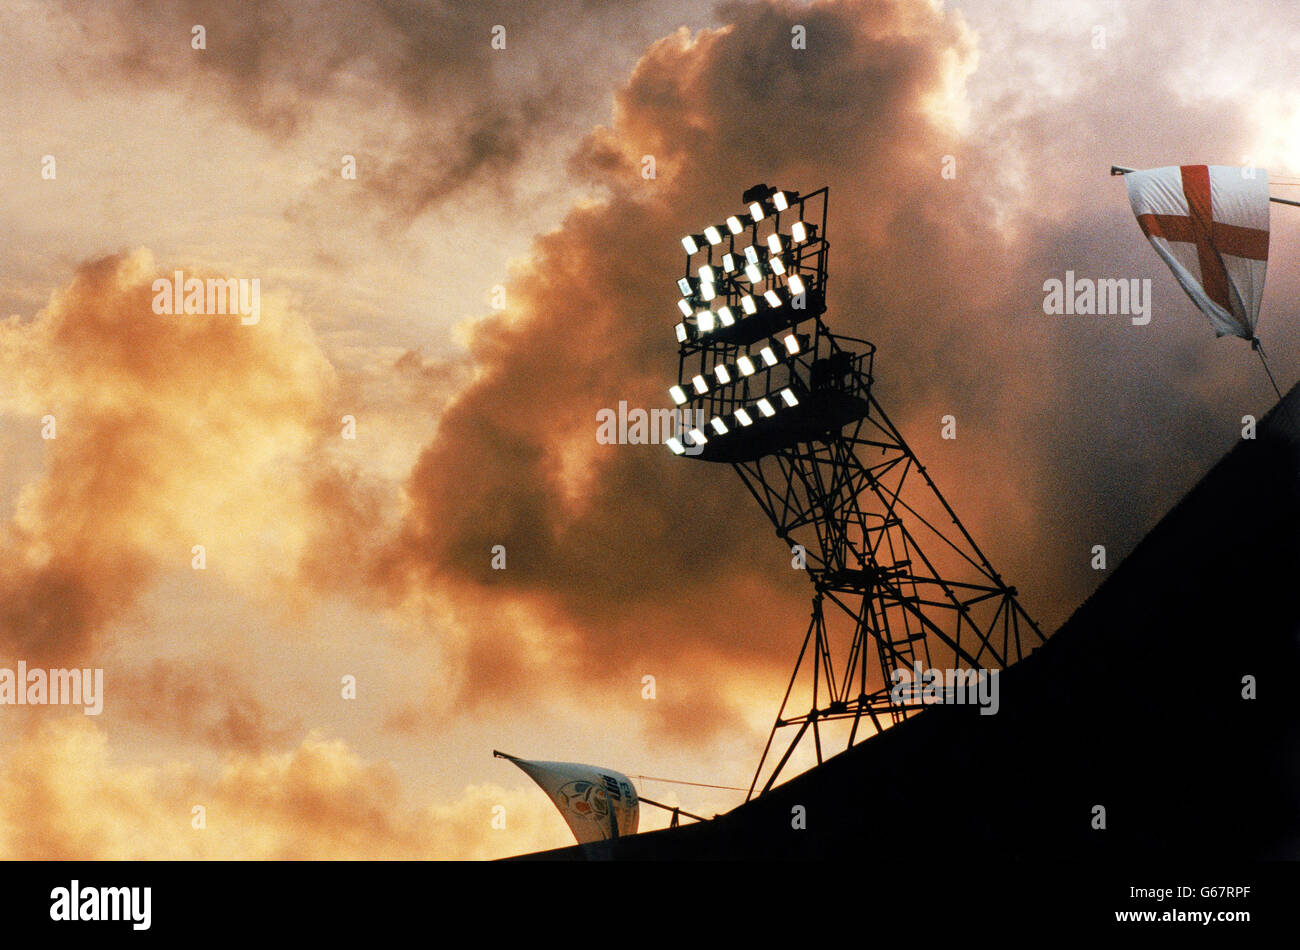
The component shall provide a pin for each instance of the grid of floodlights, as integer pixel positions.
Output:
(749, 281)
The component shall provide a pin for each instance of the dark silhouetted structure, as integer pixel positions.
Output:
(1136, 704)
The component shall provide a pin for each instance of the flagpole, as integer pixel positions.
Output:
(1121, 170)
(1258, 347)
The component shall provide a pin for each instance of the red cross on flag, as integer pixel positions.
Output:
(1210, 225)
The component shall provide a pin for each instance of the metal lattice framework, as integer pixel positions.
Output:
(898, 580)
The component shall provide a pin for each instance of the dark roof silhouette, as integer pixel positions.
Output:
(1135, 704)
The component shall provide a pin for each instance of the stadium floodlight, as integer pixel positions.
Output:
(787, 404)
(693, 242)
(738, 316)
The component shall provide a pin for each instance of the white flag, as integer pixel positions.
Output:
(597, 803)
(1210, 225)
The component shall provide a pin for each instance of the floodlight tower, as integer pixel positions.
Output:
(897, 579)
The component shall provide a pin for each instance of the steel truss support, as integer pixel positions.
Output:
(890, 562)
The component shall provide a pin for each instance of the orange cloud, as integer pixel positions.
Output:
(164, 432)
(627, 556)
(621, 561)
(210, 704)
(62, 796)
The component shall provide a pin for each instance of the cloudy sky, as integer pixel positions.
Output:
(498, 271)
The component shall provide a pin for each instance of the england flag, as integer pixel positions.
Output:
(1210, 225)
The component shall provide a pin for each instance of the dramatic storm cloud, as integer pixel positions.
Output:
(475, 561)
(161, 432)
